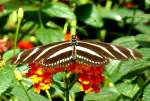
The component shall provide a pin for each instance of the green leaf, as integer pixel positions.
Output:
(127, 41)
(106, 94)
(127, 89)
(6, 78)
(49, 35)
(7, 55)
(108, 14)
(143, 28)
(128, 13)
(52, 25)
(3, 1)
(58, 10)
(89, 15)
(145, 52)
(21, 95)
(143, 40)
(59, 76)
(126, 69)
(75, 88)
(146, 95)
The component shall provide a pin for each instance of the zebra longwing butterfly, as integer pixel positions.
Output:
(64, 53)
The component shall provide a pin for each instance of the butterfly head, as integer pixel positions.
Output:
(74, 40)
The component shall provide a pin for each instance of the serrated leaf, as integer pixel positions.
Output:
(21, 95)
(146, 95)
(58, 10)
(6, 78)
(7, 55)
(106, 94)
(127, 89)
(128, 41)
(89, 15)
(49, 35)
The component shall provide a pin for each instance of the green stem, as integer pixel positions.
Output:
(25, 90)
(108, 5)
(16, 34)
(40, 19)
(66, 87)
(48, 94)
(73, 27)
(65, 27)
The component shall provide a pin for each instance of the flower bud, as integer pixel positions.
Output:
(18, 75)
(20, 13)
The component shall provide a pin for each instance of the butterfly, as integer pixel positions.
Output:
(84, 52)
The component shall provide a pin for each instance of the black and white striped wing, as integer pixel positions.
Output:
(98, 53)
(49, 55)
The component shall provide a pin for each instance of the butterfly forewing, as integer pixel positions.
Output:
(39, 53)
(60, 58)
(109, 51)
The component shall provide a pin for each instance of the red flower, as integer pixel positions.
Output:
(4, 46)
(129, 5)
(68, 36)
(41, 77)
(1, 7)
(90, 77)
(23, 44)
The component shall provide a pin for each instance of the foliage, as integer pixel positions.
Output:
(122, 22)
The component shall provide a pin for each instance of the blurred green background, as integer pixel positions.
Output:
(121, 22)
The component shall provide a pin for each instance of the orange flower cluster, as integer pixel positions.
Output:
(41, 77)
(90, 77)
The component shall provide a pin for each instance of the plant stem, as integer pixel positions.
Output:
(65, 27)
(49, 95)
(25, 90)
(73, 24)
(16, 34)
(108, 5)
(66, 87)
(40, 19)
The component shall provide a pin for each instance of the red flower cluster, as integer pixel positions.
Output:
(24, 44)
(90, 77)
(41, 77)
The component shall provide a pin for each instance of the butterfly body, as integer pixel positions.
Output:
(61, 54)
